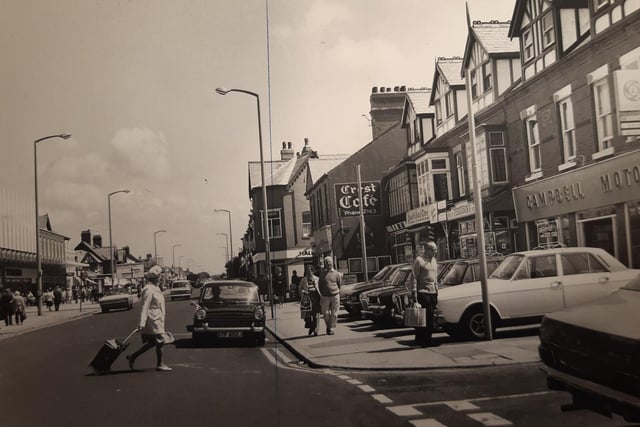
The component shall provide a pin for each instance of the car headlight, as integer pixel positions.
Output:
(258, 314)
(200, 314)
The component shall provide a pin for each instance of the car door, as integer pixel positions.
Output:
(535, 288)
(585, 278)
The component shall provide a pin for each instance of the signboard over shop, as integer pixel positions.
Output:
(428, 213)
(348, 201)
(628, 100)
(607, 182)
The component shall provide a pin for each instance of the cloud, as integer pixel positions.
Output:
(323, 14)
(141, 152)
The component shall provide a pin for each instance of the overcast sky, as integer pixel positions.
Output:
(134, 82)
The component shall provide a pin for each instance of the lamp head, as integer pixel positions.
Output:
(222, 90)
(65, 136)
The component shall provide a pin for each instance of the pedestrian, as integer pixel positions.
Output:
(7, 306)
(57, 297)
(425, 271)
(295, 284)
(19, 308)
(48, 298)
(31, 299)
(329, 287)
(279, 285)
(152, 316)
(310, 300)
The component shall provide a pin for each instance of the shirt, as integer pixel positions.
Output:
(425, 273)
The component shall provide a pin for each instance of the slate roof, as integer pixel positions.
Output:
(255, 177)
(419, 99)
(319, 167)
(450, 70)
(494, 37)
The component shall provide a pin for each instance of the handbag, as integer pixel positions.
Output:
(23, 315)
(415, 316)
(166, 338)
(305, 306)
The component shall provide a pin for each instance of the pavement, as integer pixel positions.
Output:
(357, 344)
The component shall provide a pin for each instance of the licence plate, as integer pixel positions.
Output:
(230, 334)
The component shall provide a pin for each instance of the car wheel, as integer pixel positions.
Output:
(473, 324)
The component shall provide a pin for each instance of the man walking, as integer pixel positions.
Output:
(425, 271)
(329, 287)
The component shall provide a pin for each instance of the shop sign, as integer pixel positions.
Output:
(348, 200)
(305, 253)
(322, 239)
(607, 182)
(547, 233)
(428, 213)
(396, 227)
(628, 100)
(460, 210)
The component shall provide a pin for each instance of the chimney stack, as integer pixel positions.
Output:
(97, 241)
(286, 153)
(85, 236)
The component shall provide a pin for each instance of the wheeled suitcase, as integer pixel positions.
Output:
(109, 352)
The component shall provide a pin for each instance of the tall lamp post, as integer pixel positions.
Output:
(265, 215)
(155, 244)
(226, 247)
(230, 231)
(110, 242)
(38, 257)
(173, 248)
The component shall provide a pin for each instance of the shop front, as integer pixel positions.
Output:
(596, 205)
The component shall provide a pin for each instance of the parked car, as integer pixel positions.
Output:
(180, 289)
(377, 304)
(116, 299)
(527, 285)
(450, 273)
(350, 294)
(593, 352)
(229, 309)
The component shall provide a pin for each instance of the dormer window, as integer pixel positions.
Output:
(474, 84)
(486, 76)
(527, 44)
(548, 36)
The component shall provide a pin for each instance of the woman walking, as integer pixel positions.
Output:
(152, 318)
(310, 300)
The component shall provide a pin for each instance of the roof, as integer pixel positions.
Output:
(450, 69)
(494, 38)
(319, 167)
(419, 101)
(305, 160)
(255, 174)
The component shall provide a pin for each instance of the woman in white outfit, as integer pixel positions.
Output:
(151, 319)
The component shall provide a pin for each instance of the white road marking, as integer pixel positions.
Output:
(280, 354)
(381, 398)
(489, 419)
(354, 382)
(269, 356)
(427, 422)
(344, 377)
(461, 405)
(404, 410)
(367, 388)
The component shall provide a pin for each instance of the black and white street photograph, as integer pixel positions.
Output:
(316, 213)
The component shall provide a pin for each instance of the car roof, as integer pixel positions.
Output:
(229, 282)
(572, 249)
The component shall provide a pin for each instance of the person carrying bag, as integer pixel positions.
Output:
(310, 301)
(425, 293)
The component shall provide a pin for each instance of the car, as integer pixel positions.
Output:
(450, 273)
(593, 352)
(180, 289)
(377, 304)
(229, 309)
(527, 285)
(350, 294)
(116, 299)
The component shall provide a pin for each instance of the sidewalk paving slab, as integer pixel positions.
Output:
(358, 344)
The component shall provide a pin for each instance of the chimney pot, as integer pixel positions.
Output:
(284, 145)
(289, 145)
(374, 89)
(306, 141)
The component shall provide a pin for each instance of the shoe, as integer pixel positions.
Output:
(330, 332)
(163, 368)
(310, 331)
(315, 333)
(131, 362)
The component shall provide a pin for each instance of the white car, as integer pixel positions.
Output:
(527, 285)
(180, 289)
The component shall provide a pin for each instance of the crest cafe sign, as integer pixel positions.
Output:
(348, 202)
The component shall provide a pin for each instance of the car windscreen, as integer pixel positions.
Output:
(507, 267)
(399, 276)
(380, 275)
(179, 285)
(454, 275)
(230, 292)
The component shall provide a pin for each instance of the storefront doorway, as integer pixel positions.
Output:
(599, 233)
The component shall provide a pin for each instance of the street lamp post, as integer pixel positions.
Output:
(265, 215)
(110, 242)
(38, 257)
(173, 248)
(230, 231)
(227, 239)
(155, 244)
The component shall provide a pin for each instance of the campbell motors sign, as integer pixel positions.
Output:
(348, 202)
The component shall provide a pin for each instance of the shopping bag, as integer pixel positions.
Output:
(166, 338)
(305, 306)
(415, 316)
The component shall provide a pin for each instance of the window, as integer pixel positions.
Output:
(527, 45)
(538, 267)
(275, 224)
(568, 129)
(474, 84)
(498, 157)
(460, 170)
(602, 104)
(423, 182)
(533, 139)
(548, 36)
(486, 76)
(306, 224)
(580, 264)
(441, 186)
(416, 130)
(438, 111)
(448, 103)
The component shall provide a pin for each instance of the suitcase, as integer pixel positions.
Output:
(108, 354)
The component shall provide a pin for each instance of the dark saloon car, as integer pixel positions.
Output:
(350, 294)
(229, 309)
(377, 304)
(593, 352)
